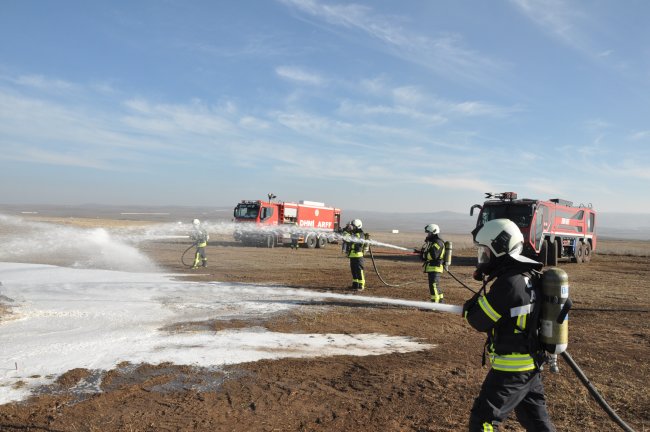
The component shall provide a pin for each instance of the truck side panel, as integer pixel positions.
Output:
(321, 218)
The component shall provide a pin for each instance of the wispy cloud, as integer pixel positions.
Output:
(567, 21)
(445, 54)
(45, 157)
(42, 83)
(299, 75)
(468, 182)
(386, 143)
(640, 135)
(418, 105)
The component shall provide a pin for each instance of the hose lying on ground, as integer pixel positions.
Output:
(592, 390)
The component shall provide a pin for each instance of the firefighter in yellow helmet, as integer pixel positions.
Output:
(354, 246)
(199, 237)
(433, 255)
(507, 313)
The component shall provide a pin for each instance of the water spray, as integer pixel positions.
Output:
(440, 307)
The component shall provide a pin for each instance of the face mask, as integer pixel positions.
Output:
(484, 255)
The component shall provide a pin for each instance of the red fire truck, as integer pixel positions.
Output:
(552, 229)
(270, 223)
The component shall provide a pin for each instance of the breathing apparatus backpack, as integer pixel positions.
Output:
(550, 330)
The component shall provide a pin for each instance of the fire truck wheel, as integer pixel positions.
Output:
(311, 241)
(579, 253)
(322, 242)
(586, 252)
(552, 254)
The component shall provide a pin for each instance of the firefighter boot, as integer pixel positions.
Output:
(436, 294)
(361, 283)
(205, 263)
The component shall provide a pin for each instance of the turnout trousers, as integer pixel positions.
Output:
(503, 392)
(434, 286)
(358, 278)
(199, 257)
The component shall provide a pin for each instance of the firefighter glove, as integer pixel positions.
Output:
(469, 304)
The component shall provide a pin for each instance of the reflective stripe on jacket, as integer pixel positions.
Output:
(434, 255)
(355, 243)
(503, 313)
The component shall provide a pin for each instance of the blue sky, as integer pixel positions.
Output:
(376, 105)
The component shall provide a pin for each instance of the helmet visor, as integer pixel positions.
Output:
(484, 254)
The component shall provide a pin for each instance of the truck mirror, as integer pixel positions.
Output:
(471, 210)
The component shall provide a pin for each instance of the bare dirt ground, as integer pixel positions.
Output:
(423, 391)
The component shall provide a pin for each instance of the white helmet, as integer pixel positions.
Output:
(497, 238)
(432, 229)
(196, 222)
(357, 223)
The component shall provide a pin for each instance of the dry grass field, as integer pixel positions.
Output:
(431, 390)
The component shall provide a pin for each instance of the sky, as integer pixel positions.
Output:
(376, 105)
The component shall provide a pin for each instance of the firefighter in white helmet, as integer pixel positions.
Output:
(433, 255)
(507, 313)
(199, 237)
(354, 246)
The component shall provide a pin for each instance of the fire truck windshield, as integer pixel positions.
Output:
(521, 215)
(247, 211)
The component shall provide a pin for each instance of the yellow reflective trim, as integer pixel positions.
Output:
(487, 427)
(512, 362)
(487, 308)
(521, 323)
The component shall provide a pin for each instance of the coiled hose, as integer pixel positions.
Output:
(183, 256)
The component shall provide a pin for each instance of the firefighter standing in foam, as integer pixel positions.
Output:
(199, 237)
(433, 255)
(504, 313)
(354, 246)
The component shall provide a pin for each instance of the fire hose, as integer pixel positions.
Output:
(183, 256)
(592, 390)
(372, 258)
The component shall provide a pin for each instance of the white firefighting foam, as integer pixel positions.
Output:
(110, 304)
(65, 318)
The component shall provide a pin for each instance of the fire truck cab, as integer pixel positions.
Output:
(553, 229)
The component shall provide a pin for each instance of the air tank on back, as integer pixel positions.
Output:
(554, 332)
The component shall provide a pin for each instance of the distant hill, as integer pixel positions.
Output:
(627, 226)
(449, 222)
(608, 225)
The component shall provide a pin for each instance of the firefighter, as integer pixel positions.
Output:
(199, 237)
(506, 313)
(295, 236)
(433, 255)
(354, 246)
